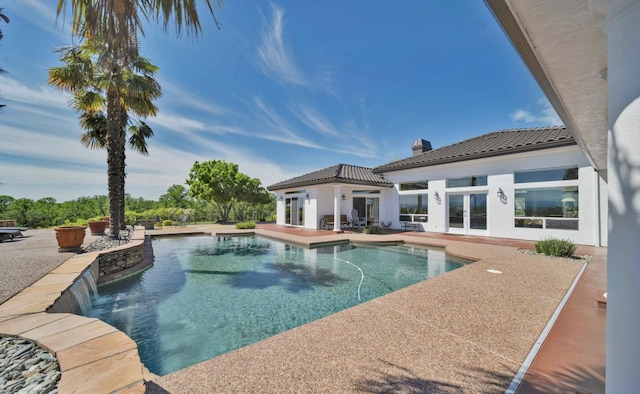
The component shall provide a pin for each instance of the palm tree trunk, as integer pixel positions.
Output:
(115, 168)
(121, 202)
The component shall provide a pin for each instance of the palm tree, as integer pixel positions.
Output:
(117, 24)
(107, 88)
(114, 21)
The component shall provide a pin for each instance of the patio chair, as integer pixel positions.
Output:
(357, 221)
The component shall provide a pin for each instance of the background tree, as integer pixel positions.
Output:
(103, 88)
(19, 210)
(138, 204)
(5, 201)
(177, 196)
(223, 185)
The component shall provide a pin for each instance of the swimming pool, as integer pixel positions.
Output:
(206, 296)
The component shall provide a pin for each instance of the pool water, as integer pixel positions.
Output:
(206, 296)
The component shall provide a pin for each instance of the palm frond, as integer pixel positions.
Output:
(138, 136)
(96, 125)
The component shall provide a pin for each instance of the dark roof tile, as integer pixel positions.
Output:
(497, 143)
(340, 173)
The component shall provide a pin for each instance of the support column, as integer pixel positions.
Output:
(336, 208)
(623, 260)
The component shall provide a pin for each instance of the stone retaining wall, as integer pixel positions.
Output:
(119, 260)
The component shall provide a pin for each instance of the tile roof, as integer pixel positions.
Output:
(502, 142)
(340, 173)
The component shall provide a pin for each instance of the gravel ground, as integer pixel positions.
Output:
(25, 260)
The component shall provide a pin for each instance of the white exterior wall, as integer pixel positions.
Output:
(623, 269)
(321, 202)
(501, 215)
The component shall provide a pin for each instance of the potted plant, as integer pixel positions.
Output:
(97, 226)
(70, 237)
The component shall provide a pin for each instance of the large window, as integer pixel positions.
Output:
(546, 175)
(547, 207)
(467, 181)
(414, 207)
(417, 185)
(551, 208)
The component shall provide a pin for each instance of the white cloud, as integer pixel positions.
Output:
(42, 95)
(281, 130)
(522, 115)
(315, 121)
(176, 122)
(175, 94)
(545, 115)
(276, 61)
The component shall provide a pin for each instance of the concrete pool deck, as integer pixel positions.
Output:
(468, 330)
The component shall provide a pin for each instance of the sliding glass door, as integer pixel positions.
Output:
(369, 208)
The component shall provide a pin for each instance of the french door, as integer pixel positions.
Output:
(294, 211)
(467, 213)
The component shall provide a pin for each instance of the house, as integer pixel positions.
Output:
(585, 56)
(520, 183)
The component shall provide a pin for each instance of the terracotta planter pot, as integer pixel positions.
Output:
(70, 238)
(105, 218)
(97, 228)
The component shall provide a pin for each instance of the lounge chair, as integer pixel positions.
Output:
(9, 234)
(357, 221)
(15, 228)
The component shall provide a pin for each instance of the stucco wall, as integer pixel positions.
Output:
(500, 214)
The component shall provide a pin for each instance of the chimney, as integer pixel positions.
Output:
(421, 146)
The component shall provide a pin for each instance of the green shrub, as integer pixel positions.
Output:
(245, 225)
(167, 223)
(556, 247)
(79, 222)
(372, 229)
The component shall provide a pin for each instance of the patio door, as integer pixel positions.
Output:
(294, 211)
(467, 213)
(369, 207)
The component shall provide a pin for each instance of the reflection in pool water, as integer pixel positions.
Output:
(206, 296)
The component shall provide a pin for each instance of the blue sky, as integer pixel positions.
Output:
(282, 89)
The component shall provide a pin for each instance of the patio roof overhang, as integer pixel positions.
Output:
(564, 45)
